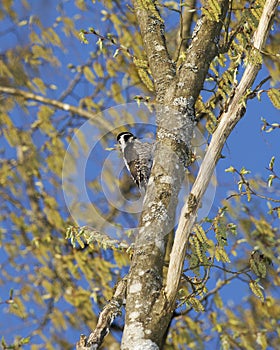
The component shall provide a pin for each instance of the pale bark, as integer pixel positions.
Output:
(228, 120)
(186, 19)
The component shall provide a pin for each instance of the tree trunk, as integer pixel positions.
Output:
(148, 311)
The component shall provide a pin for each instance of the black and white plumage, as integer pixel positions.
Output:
(138, 158)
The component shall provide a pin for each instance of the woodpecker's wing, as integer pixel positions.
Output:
(138, 158)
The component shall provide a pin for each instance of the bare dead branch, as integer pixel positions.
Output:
(229, 119)
(106, 317)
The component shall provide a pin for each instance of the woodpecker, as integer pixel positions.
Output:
(138, 158)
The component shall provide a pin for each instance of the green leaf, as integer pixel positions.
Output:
(225, 345)
(240, 185)
(212, 10)
(270, 180)
(89, 74)
(82, 36)
(99, 43)
(262, 340)
(221, 255)
(200, 233)
(232, 228)
(274, 96)
(39, 84)
(256, 289)
(22, 23)
(248, 193)
(98, 69)
(244, 171)
(231, 169)
(271, 163)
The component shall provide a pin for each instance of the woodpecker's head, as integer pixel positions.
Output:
(124, 138)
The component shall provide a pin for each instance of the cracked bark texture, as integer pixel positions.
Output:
(148, 312)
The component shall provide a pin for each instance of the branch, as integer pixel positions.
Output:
(75, 81)
(106, 317)
(152, 32)
(110, 39)
(57, 104)
(258, 90)
(184, 33)
(220, 285)
(199, 55)
(229, 119)
(240, 194)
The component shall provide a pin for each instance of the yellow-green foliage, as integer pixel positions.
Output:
(274, 95)
(56, 276)
(212, 10)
